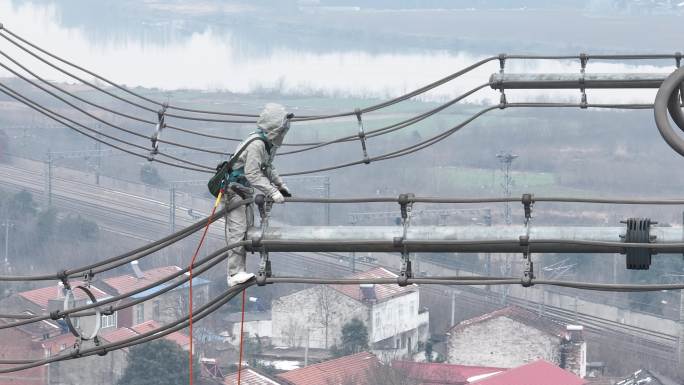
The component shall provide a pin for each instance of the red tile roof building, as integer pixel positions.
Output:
(537, 373)
(249, 377)
(129, 282)
(352, 369)
(430, 373)
(381, 292)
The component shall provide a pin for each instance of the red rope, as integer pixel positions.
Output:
(242, 326)
(192, 262)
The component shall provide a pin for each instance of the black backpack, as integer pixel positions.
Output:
(224, 169)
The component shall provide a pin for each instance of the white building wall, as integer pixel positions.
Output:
(262, 328)
(394, 316)
(501, 342)
(303, 313)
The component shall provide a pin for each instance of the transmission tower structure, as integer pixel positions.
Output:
(506, 159)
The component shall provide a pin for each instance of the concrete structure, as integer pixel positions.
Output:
(315, 316)
(257, 324)
(511, 337)
(164, 308)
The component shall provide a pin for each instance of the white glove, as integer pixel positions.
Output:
(277, 197)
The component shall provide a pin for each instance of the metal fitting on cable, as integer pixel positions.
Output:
(638, 231)
(98, 315)
(406, 272)
(161, 124)
(55, 315)
(527, 201)
(527, 279)
(362, 136)
(502, 66)
(678, 59)
(64, 278)
(264, 270)
(502, 62)
(2, 26)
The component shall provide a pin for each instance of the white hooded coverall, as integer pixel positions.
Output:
(261, 176)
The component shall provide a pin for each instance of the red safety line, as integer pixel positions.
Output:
(242, 326)
(192, 262)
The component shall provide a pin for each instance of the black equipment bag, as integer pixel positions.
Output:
(224, 169)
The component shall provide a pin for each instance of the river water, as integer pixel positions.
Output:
(168, 54)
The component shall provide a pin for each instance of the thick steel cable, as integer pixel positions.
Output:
(393, 127)
(366, 109)
(115, 126)
(160, 332)
(667, 99)
(122, 259)
(468, 200)
(230, 293)
(56, 117)
(443, 135)
(213, 259)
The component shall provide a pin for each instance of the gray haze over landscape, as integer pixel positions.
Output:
(67, 200)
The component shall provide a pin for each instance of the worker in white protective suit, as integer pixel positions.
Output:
(253, 173)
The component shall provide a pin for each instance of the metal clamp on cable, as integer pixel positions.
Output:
(527, 279)
(362, 136)
(638, 231)
(161, 124)
(527, 201)
(406, 272)
(583, 63)
(264, 271)
(502, 67)
(76, 330)
(678, 59)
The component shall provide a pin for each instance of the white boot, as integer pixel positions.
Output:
(239, 278)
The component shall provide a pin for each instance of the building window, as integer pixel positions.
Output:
(140, 313)
(108, 321)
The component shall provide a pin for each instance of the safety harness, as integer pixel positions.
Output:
(225, 174)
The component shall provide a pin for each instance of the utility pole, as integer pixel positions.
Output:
(7, 226)
(306, 348)
(48, 178)
(453, 308)
(506, 159)
(172, 208)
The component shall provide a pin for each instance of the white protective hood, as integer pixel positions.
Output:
(272, 121)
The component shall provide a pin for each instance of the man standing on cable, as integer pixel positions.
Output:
(253, 170)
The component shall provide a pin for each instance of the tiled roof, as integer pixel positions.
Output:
(339, 371)
(249, 377)
(521, 315)
(116, 335)
(536, 373)
(382, 292)
(429, 373)
(42, 296)
(177, 337)
(125, 283)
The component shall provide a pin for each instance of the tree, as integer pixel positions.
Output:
(325, 304)
(150, 176)
(428, 351)
(354, 337)
(22, 205)
(159, 362)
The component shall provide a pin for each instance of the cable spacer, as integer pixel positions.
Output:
(64, 278)
(2, 26)
(265, 270)
(502, 62)
(678, 59)
(638, 231)
(108, 311)
(527, 278)
(362, 136)
(98, 319)
(88, 277)
(527, 201)
(406, 205)
(584, 58)
(55, 315)
(161, 124)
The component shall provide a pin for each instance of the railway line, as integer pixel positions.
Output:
(120, 212)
